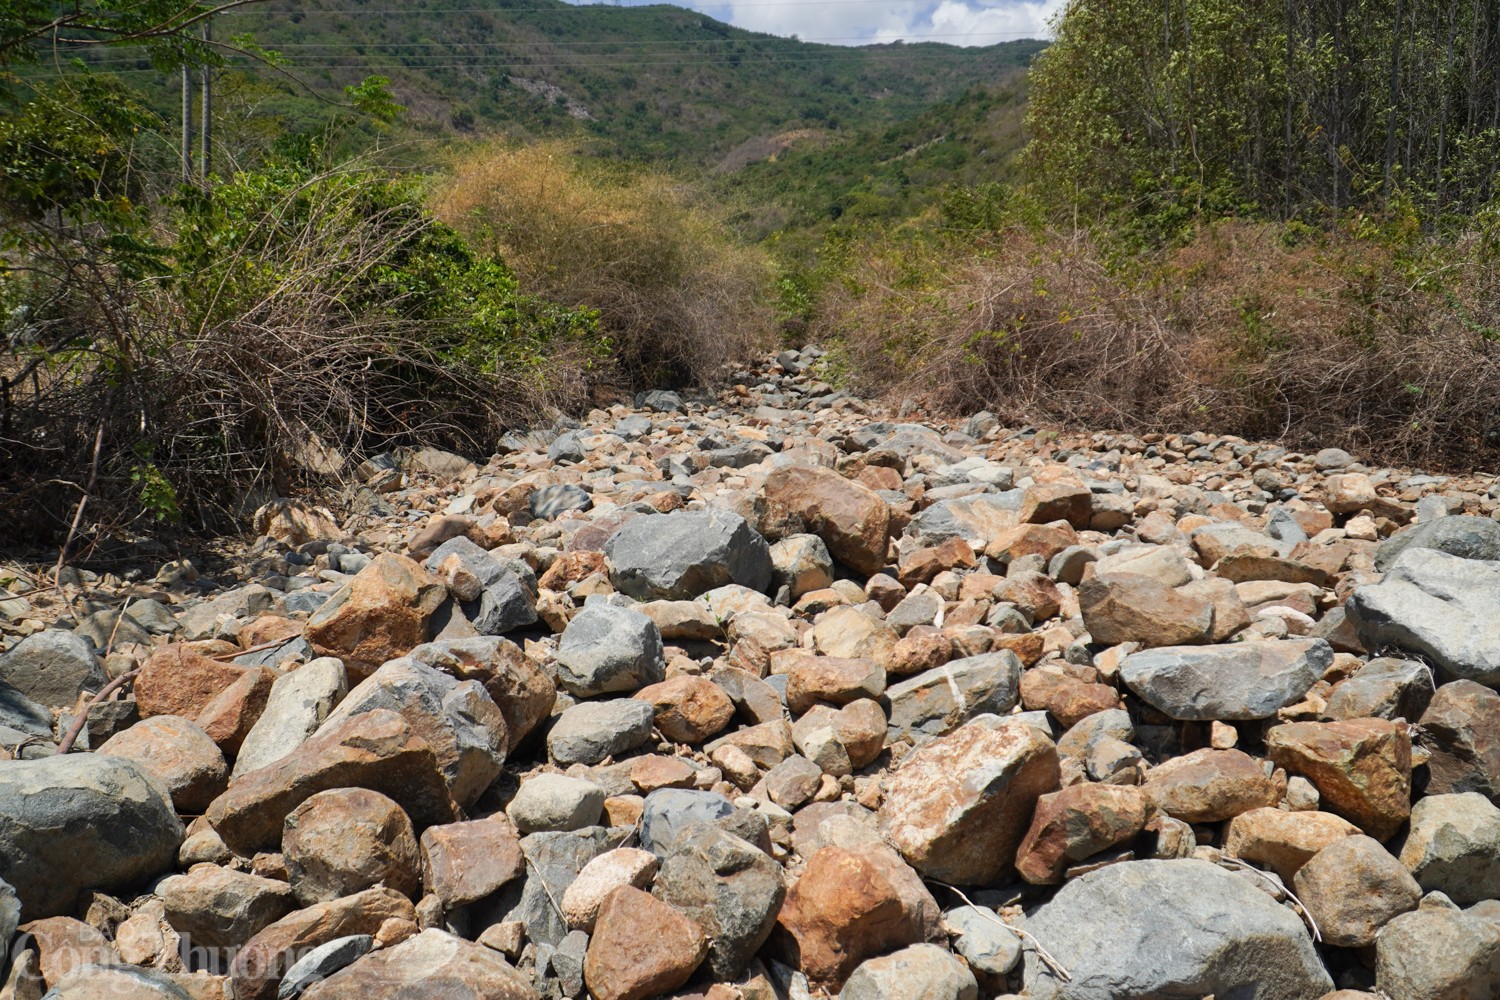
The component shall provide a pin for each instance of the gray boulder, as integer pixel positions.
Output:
(115, 982)
(729, 888)
(20, 713)
(607, 650)
(983, 940)
(1241, 681)
(1385, 688)
(669, 811)
(300, 702)
(52, 668)
(560, 498)
(555, 802)
(678, 556)
(589, 732)
(553, 861)
(322, 962)
(918, 972)
(942, 699)
(10, 918)
(1438, 952)
(1454, 846)
(1188, 928)
(79, 822)
(1463, 536)
(1441, 607)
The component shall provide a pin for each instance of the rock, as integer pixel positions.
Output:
(377, 616)
(258, 967)
(21, 714)
(523, 691)
(175, 680)
(433, 965)
(920, 972)
(608, 650)
(52, 667)
(1076, 823)
(851, 519)
(1454, 846)
(940, 700)
(990, 948)
(1438, 952)
(1130, 608)
(322, 962)
(553, 501)
(957, 808)
(179, 755)
(1209, 786)
(1440, 607)
(214, 907)
(640, 948)
(835, 680)
(504, 606)
(849, 905)
(59, 811)
(1242, 681)
(10, 917)
(553, 861)
(593, 730)
(688, 709)
(1228, 938)
(115, 982)
(1466, 537)
(1283, 841)
(602, 876)
(463, 863)
(230, 716)
(555, 802)
(678, 556)
(1044, 503)
(1352, 888)
(300, 701)
(345, 840)
(793, 782)
(1461, 732)
(849, 633)
(844, 740)
(1384, 688)
(377, 750)
(801, 564)
(1361, 767)
(669, 812)
(730, 889)
(458, 719)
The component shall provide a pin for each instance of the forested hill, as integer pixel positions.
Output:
(657, 82)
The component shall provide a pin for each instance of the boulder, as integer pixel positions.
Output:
(1438, 952)
(322, 962)
(79, 822)
(1238, 682)
(640, 948)
(1361, 768)
(555, 802)
(1461, 733)
(602, 876)
(608, 650)
(852, 520)
(1282, 840)
(179, 755)
(678, 556)
(346, 840)
(1454, 846)
(377, 750)
(1440, 607)
(523, 690)
(983, 939)
(52, 668)
(553, 862)
(689, 708)
(377, 616)
(802, 564)
(729, 888)
(831, 679)
(1387, 687)
(1128, 607)
(958, 807)
(300, 701)
(1352, 888)
(942, 699)
(1076, 823)
(116, 982)
(432, 965)
(213, 907)
(1466, 537)
(1209, 786)
(593, 730)
(230, 716)
(1109, 929)
(669, 812)
(920, 972)
(176, 680)
(463, 863)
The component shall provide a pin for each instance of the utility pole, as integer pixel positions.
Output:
(187, 125)
(205, 124)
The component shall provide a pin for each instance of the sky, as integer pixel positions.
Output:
(857, 22)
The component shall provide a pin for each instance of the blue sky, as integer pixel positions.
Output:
(854, 22)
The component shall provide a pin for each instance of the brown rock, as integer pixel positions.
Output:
(214, 907)
(346, 840)
(464, 862)
(1058, 501)
(1127, 607)
(65, 945)
(1461, 732)
(259, 966)
(177, 680)
(179, 754)
(851, 634)
(851, 519)
(917, 653)
(228, 717)
(831, 679)
(1019, 541)
(1361, 768)
(439, 529)
(1077, 823)
(1352, 888)
(689, 709)
(1052, 689)
(432, 965)
(377, 616)
(957, 807)
(640, 948)
(572, 567)
(1209, 786)
(849, 905)
(522, 690)
(1034, 593)
(1281, 840)
(921, 565)
(652, 771)
(376, 750)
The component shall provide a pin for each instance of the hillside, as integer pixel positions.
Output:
(657, 82)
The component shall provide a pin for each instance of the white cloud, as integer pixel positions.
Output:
(853, 22)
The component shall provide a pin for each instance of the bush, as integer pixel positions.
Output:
(675, 294)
